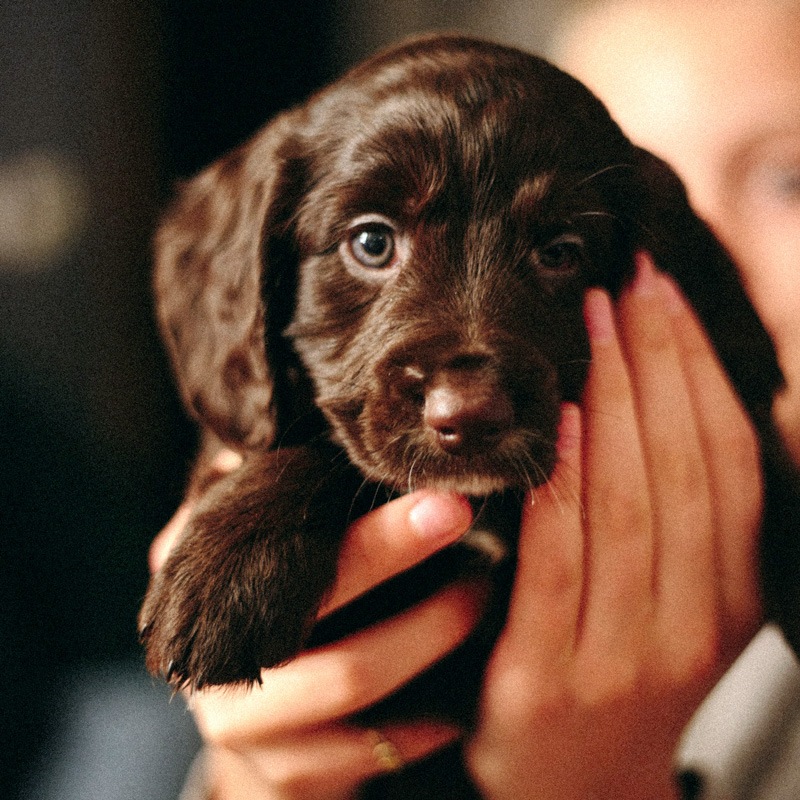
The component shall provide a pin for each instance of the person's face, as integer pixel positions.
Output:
(716, 93)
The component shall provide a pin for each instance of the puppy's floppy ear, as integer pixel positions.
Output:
(683, 246)
(209, 283)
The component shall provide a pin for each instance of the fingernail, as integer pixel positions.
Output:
(441, 516)
(645, 282)
(598, 315)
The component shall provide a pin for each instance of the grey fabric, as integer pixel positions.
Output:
(121, 737)
(745, 738)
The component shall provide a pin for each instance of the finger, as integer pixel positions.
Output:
(165, 540)
(394, 538)
(355, 672)
(347, 756)
(331, 762)
(546, 600)
(675, 463)
(616, 492)
(732, 457)
(411, 741)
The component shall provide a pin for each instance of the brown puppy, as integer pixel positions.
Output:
(382, 291)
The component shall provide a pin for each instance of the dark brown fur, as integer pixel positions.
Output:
(512, 191)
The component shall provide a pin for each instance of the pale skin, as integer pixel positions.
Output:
(635, 589)
(714, 89)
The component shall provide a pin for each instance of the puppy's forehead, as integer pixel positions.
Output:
(460, 111)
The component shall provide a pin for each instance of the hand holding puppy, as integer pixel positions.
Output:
(629, 601)
(637, 580)
(289, 737)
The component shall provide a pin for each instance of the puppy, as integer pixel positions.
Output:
(381, 292)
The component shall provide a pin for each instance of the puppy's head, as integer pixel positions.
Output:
(407, 254)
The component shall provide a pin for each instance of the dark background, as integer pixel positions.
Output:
(130, 95)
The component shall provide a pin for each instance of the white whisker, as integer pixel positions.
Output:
(598, 173)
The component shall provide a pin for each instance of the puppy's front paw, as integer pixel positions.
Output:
(241, 589)
(219, 617)
(238, 594)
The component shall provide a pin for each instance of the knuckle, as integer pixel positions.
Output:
(656, 336)
(646, 325)
(351, 680)
(683, 469)
(215, 728)
(608, 387)
(527, 699)
(213, 733)
(622, 508)
(562, 577)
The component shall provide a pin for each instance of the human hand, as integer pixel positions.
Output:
(288, 738)
(636, 584)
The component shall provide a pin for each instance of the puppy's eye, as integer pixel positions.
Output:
(562, 257)
(372, 245)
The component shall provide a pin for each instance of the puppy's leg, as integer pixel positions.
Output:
(240, 590)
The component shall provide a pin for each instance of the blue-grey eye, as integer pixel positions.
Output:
(373, 245)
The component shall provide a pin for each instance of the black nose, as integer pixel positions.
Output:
(466, 414)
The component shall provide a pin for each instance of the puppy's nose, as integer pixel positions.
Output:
(466, 417)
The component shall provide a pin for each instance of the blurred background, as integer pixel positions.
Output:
(103, 106)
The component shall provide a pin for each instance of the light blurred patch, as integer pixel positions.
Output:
(43, 211)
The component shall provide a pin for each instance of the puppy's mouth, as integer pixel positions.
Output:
(518, 459)
(466, 429)
(477, 461)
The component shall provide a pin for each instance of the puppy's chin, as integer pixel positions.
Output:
(470, 485)
(474, 483)
(478, 475)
